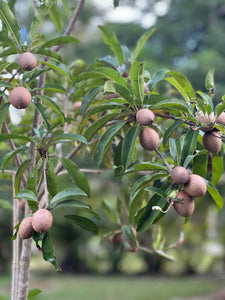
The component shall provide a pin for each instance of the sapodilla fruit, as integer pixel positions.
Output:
(42, 220)
(27, 61)
(116, 238)
(221, 119)
(26, 228)
(212, 141)
(196, 186)
(179, 175)
(20, 97)
(145, 117)
(149, 139)
(186, 206)
(208, 120)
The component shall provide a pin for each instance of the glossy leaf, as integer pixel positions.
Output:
(106, 140)
(220, 108)
(128, 145)
(111, 40)
(58, 67)
(149, 166)
(114, 87)
(44, 113)
(76, 175)
(54, 106)
(32, 180)
(50, 54)
(51, 178)
(158, 76)
(53, 87)
(70, 137)
(141, 42)
(130, 239)
(111, 212)
(72, 203)
(170, 131)
(67, 194)
(200, 165)
(135, 202)
(61, 40)
(190, 143)
(5, 136)
(48, 251)
(32, 293)
(217, 167)
(8, 156)
(5, 40)
(8, 52)
(56, 17)
(26, 194)
(3, 111)
(8, 18)
(82, 222)
(172, 104)
(209, 80)
(88, 99)
(113, 75)
(215, 194)
(36, 42)
(137, 80)
(5, 84)
(19, 174)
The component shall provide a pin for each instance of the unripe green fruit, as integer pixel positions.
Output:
(221, 119)
(212, 141)
(149, 139)
(42, 220)
(179, 175)
(26, 229)
(196, 186)
(186, 206)
(27, 61)
(20, 97)
(145, 117)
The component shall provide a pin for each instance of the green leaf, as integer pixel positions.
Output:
(111, 40)
(82, 222)
(190, 143)
(3, 111)
(137, 80)
(32, 180)
(58, 67)
(113, 75)
(19, 174)
(32, 293)
(128, 145)
(149, 166)
(6, 84)
(51, 178)
(76, 175)
(200, 165)
(207, 100)
(5, 204)
(9, 20)
(48, 251)
(73, 203)
(209, 80)
(67, 194)
(9, 136)
(8, 52)
(159, 75)
(7, 41)
(67, 8)
(92, 129)
(170, 130)
(55, 107)
(4, 66)
(88, 99)
(61, 40)
(217, 167)
(171, 104)
(50, 54)
(56, 17)
(36, 42)
(220, 108)
(129, 236)
(215, 194)
(44, 113)
(135, 203)
(106, 141)
(6, 158)
(111, 212)
(53, 87)
(70, 137)
(182, 84)
(26, 194)
(141, 42)
(114, 87)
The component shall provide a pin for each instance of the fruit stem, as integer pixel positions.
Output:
(164, 160)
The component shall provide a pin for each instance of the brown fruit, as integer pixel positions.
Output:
(145, 117)
(149, 139)
(116, 238)
(221, 119)
(196, 186)
(212, 141)
(22, 205)
(186, 206)
(27, 61)
(42, 220)
(26, 229)
(179, 175)
(208, 120)
(20, 97)
(77, 105)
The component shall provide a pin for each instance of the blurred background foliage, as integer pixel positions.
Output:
(189, 39)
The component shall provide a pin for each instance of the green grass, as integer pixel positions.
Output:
(69, 287)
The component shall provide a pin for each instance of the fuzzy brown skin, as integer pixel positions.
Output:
(212, 141)
(42, 220)
(116, 238)
(196, 186)
(179, 175)
(186, 206)
(221, 119)
(145, 117)
(20, 97)
(26, 228)
(27, 61)
(149, 139)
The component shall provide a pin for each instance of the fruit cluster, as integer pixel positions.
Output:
(41, 222)
(20, 97)
(194, 186)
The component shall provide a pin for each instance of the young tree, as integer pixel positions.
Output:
(162, 144)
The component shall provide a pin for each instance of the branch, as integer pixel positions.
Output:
(164, 160)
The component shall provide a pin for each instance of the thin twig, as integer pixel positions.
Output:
(164, 160)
